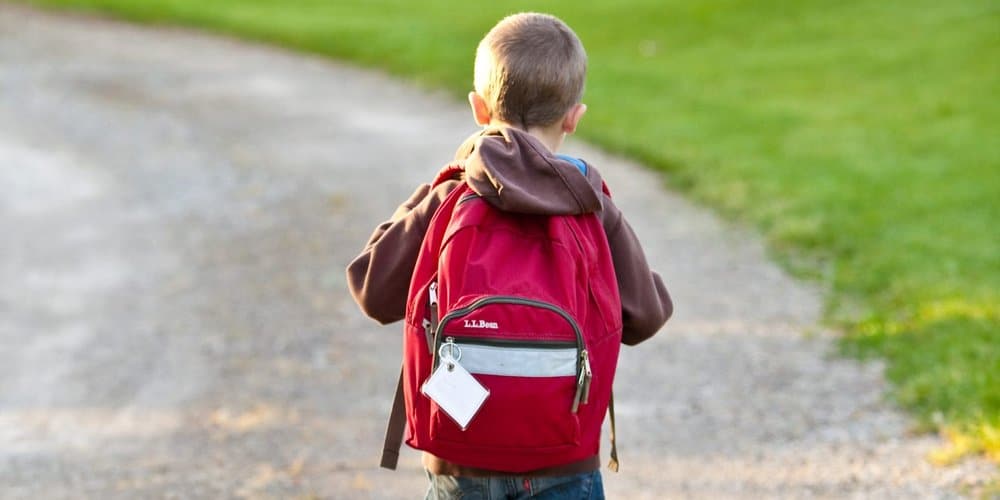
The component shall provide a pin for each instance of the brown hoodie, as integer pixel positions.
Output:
(514, 172)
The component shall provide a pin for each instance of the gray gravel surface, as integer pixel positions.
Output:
(177, 211)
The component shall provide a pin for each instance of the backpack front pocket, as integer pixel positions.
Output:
(531, 358)
(530, 401)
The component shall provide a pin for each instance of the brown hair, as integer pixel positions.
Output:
(530, 69)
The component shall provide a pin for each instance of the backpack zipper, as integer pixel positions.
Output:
(539, 344)
(429, 323)
(432, 290)
(583, 382)
(583, 371)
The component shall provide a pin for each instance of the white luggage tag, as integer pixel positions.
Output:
(453, 388)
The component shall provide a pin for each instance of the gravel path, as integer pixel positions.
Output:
(174, 323)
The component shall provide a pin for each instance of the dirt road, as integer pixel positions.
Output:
(177, 211)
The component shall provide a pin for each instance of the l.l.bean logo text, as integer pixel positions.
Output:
(474, 323)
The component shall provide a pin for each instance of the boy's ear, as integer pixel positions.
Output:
(572, 118)
(480, 111)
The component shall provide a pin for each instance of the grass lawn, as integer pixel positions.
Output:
(860, 137)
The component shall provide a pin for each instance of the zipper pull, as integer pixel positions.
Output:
(431, 324)
(587, 376)
(578, 395)
(428, 334)
(433, 292)
(583, 382)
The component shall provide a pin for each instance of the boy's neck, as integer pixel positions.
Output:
(551, 136)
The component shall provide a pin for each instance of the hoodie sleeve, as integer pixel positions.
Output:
(646, 305)
(379, 278)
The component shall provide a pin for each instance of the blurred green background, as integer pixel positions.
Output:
(859, 137)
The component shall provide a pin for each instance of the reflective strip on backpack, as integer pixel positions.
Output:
(518, 361)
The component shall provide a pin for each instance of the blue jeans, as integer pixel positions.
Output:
(585, 486)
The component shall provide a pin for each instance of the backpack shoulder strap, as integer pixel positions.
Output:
(396, 427)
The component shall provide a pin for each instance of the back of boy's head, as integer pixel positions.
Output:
(530, 69)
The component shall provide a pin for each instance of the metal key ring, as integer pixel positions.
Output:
(452, 349)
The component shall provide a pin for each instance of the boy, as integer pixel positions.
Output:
(529, 77)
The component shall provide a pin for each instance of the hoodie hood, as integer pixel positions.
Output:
(515, 172)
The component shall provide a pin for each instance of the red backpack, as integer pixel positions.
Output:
(529, 305)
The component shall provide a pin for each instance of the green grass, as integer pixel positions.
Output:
(860, 137)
